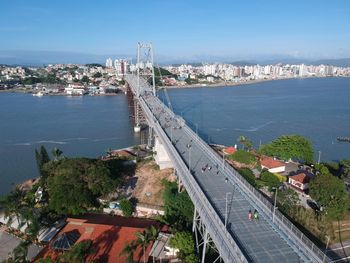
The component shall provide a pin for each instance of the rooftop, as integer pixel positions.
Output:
(270, 162)
(301, 178)
(109, 235)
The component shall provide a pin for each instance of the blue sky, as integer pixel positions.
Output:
(179, 29)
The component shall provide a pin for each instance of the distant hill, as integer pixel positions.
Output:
(342, 62)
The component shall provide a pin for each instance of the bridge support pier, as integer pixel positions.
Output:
(161, 156)
(150, 137)
(202, 237)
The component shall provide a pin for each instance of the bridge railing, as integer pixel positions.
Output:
(229, 250)
(291, 232)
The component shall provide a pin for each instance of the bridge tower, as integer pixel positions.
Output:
(145, 71)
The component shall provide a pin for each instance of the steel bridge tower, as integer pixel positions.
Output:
(145, 71)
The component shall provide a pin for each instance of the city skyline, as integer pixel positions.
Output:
(181, 31)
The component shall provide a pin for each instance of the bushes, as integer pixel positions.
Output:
(248, 175)
(269, 179)
(243, 157)
(126, 207)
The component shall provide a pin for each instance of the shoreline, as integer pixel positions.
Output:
(193, 86)
(248, 82)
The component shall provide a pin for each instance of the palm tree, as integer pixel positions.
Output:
(57, 154)
(128, 251)
(12, 204)
(19, 254)
(247, 144)
(78, 252)
(142, 240)
(153, 233)
(241, 139)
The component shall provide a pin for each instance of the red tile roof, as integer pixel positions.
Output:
(301, 178)
(109, 235)
(270, 163)
(230, 150)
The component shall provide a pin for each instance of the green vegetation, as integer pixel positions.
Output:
(85, 79)
(248, 175)
(190, 81)
(178, 207)
(243, 157)
(142, 240)
(97, 75)
(31, 81)
(126, 207)
(50, 78)
(287, 200)
(41, 157)
(290, 147)
(179, 215)
(247, 144)
(74, 184)
(19, 254)
(185, 243)
(330, 192)
(78, 252)
(160, 73)
(269, 179)
(94, 65)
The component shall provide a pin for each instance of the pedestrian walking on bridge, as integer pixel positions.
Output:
(256, 215)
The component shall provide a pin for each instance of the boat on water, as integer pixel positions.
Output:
(343, 139)
(39, 94)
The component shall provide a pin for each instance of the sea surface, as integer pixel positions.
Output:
(318, 109)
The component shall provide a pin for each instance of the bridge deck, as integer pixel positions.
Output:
(244, 241)
(257, 238)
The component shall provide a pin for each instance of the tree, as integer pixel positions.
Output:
(19, 254)
(57, 154)
(248, 175)
(330, 192)
(143, 239)
(185, 243)
(78, 252)
(345, 169)
(13, 204)
(126, 207)
(97, 75)
(74, 184)
(128, 251)
(85, 79)
(178, 207)
(42, 157)
(269, 179)
(247, 144)
(290, 147)
(287, 199)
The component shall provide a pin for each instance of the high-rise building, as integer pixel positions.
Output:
(109, 63)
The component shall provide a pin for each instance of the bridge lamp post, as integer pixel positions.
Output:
(319, 157)
(189, 159)
(274, 204)
(223, 162)
(226, 208)
(324, 256)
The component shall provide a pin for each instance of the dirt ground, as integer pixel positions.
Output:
(149, 188)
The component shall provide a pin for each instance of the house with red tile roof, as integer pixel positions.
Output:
(299, 181)
(272, 165)
(109, 235)
(229, 150)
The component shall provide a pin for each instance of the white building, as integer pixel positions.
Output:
(75, 89)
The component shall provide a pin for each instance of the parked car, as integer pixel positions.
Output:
(313, 205)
